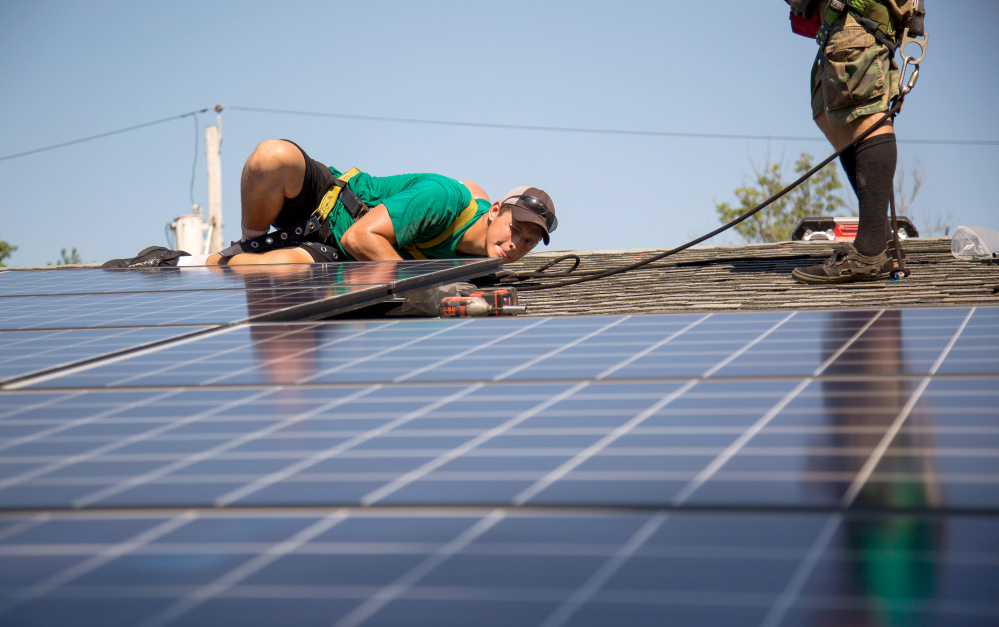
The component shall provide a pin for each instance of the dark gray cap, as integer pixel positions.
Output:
(532, 204)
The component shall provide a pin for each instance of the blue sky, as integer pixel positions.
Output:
(72, 70)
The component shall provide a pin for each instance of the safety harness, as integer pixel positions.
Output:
(870, 14)
(466, 216)
(318, 222)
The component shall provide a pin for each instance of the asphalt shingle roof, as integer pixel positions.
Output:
(755, 277)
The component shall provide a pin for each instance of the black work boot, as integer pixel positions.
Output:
(846, 265)
(148, 258)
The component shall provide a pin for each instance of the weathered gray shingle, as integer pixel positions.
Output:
(756, 277)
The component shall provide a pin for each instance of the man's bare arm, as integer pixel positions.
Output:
(372, 237)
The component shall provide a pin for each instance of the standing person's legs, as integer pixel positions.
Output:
(853, 83)
(870, 166)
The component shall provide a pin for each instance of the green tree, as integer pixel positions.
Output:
(815, 197)
(68, 259)
(6, 250)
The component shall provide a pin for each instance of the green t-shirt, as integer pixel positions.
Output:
(421, 206)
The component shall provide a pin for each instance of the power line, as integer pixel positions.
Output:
(597, 131)
(518, 127)
(102, 135)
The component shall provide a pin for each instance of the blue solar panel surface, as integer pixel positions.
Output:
(793, 468)
(210, 295)
(27, 352)
(62, 317)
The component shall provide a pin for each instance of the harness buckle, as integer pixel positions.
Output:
(909, 39)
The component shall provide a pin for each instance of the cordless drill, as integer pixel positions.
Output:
(492, 302)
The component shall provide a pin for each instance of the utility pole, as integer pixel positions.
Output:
(213, 146)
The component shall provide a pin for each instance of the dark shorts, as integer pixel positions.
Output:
(318, 179)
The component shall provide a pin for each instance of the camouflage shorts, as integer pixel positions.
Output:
(859, 76)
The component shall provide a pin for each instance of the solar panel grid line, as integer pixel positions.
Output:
(383, 597)
(66, 461)
(486, 477)
(393, 486)
(712, 469)
(105, 355)
(240, 493)
(846, 346)
(111, 358)
(24, 525)
(215, 356)
(184, 308)
(206, 592)
(858, 484)
(36, 353)
(650, 349)
(463, 354)
(365, 376)
(746, 347)
(50, 400)
(564, 469)
(650, 602)
(90, 564)
(301, 352)
(76, 423)
(778, 611)
(558, 350)
(197, 279)
(382, 353)
(602, 575)
(135, 481)
(74, 459)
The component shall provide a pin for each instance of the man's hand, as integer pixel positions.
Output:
(804, 8)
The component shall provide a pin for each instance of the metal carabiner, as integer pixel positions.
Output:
(903, 87)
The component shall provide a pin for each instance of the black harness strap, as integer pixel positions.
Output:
(317, 223)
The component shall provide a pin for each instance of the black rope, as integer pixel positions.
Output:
(593, 276)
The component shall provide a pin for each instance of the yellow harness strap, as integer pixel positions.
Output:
(465, 217)
(332, 195)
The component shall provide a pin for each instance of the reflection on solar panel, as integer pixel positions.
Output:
(807, 468)
(211, 295)
(67, 317)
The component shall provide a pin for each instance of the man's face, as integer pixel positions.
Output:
(509, 239)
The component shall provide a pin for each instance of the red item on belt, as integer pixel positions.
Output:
(806, 28)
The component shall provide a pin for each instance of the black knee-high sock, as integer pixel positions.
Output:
(875, 173)
(849, 162)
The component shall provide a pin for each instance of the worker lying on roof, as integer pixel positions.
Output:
(322, 215)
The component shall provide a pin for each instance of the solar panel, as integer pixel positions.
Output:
(796, 344)
(27, 352)
(499, 567)
(780, 468)
(68, 317)
(242, 278)
(211, 295)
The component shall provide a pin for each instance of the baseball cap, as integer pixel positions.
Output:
(531, 204)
